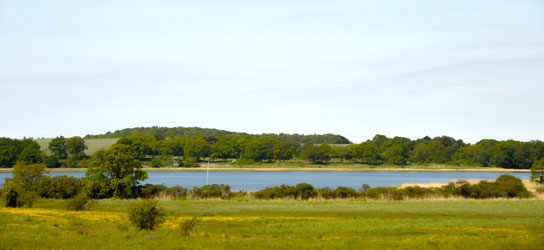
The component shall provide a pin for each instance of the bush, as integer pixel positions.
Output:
(52, 161)
(156, 163)
(345, 192)
(326, 193)
(11, 196)
(60, 187)
(190, 162)
(305, 191)
(282, 191)
(212, 191)
(187, 226)
(175, 192)
(78, 203)
(146, 215)
(149, 191)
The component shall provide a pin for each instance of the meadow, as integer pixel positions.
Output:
(283, 224)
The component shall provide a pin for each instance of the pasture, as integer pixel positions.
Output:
(283, 224)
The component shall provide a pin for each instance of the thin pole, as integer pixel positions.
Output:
(207, 171)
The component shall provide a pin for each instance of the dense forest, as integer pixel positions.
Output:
(166, 132)
(187, 151)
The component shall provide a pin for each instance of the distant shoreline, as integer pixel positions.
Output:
(303, 169)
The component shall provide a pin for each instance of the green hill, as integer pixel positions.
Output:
(166, 132)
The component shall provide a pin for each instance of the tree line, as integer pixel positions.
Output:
(27, 151)
(189, 150)
(379, 150)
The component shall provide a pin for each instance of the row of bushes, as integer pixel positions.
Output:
(65, 187)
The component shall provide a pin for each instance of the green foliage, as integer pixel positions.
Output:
(149, 191)
(190, 162)
(113, 173)
(76, 147)
(211, 191)
(30, 153)
(51, 161)
(537, 171)
(260, 149)
(304, 191)
(27, 177)
(146, 215)
(175, 192)
(11, 196)
(284, 151)
(59, 147)
(60, 187)
(78, 203)
(317, 154)
(186, 226)
(196, 148)
(9, 151)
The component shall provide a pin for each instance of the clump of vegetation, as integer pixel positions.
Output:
(186, 226)
(146, 215)
(537, 171)
(211, 191)
(175, 192)
(79, 203)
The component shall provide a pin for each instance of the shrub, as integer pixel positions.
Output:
(26, 199)
(52, 161)
(60, 187)
(175, 192)
(365, 187)
(304, 191)
(156, 163)
(537, 171)
(326, 193)
(211, 191)
(345, 192)
(190, 162)
(11, 196)
(282, 191)
(78, 203)
(187, 226)
(149, 191)
(146, 215)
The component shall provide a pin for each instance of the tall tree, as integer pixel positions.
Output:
(114, 173)
(59, 147)
(76, 147)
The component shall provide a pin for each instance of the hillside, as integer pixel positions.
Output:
(166, 132)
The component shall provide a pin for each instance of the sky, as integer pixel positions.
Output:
(466, 69)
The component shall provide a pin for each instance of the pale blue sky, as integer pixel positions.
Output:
(467, 69)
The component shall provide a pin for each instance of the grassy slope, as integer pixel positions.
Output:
(453, 224)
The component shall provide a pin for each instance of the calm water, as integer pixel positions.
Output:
(258, 180)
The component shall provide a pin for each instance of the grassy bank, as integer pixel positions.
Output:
(284, 224)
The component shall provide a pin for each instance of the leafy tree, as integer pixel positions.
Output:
(51, 161)
(59, 147)
(27, 177)
(369, 153)
(76, 147)
(395, 155)
(196, 148)
(537, 171)
(316, 154)
(432, 152)
(114, 173)
(146, 215)
(284, 151)
(9, 151)
(353, 152)
(260, 149)
(31, 152)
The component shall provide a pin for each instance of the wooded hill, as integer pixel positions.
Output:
(166, 132)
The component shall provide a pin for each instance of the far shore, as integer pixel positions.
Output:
(309, 169)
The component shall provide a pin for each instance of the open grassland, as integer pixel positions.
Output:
(283, 224)
(92, 144)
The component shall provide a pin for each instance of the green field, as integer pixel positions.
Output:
(283, 224)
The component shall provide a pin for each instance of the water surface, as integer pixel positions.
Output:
(247, 180)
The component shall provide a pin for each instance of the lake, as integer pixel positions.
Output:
(250, 181)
